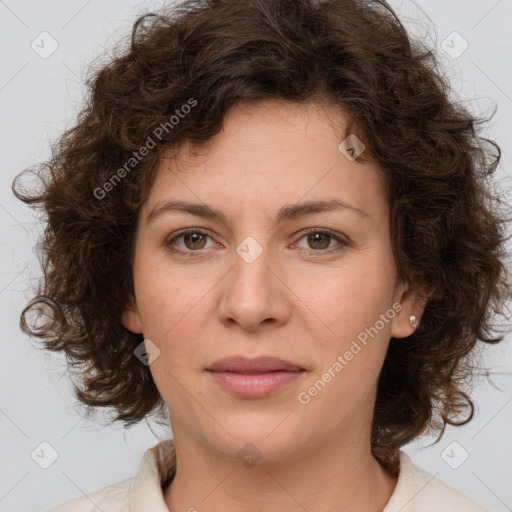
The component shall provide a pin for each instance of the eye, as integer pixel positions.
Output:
(320, 239)
(193, 238)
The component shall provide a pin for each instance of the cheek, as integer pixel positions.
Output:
(166, 297)
(352, 350)
(347, 299)
(351, 338)
(174, 312)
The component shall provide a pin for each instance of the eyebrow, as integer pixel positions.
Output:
(288, 212)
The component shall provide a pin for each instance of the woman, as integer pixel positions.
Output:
(271, 220)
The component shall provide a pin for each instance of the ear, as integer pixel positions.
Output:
(130, 317)
(411, 304)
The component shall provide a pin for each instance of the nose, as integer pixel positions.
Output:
(254, 292)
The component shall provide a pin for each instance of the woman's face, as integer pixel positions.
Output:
(252, 282)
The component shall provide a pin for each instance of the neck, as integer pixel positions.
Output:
(332, 475)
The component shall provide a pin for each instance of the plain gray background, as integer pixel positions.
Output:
(40, 96)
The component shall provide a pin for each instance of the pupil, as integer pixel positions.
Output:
(315, 239)
(195, 238)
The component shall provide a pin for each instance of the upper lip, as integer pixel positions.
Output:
(262, 364)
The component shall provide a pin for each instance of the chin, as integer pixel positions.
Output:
(256, 440)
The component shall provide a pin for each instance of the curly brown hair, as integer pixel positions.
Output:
(446, 225)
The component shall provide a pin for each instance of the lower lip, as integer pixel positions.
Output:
(255, 385)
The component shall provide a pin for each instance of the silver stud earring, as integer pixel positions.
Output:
(413, 322)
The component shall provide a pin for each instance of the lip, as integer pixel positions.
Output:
(256, 385)
(262, 364)
(254, 378)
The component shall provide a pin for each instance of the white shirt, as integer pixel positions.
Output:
(416, 490)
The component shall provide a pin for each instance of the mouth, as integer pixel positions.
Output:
(254, 378)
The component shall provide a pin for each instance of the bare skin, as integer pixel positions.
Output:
(303, 299)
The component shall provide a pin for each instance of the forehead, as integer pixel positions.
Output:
(267, 155)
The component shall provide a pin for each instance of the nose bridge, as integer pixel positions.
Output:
(250, 249)
(253, 257)
(252, 293)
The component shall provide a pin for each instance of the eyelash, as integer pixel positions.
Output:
(188, 253)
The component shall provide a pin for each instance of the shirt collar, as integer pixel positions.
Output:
(156, 470)
(158, 467)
